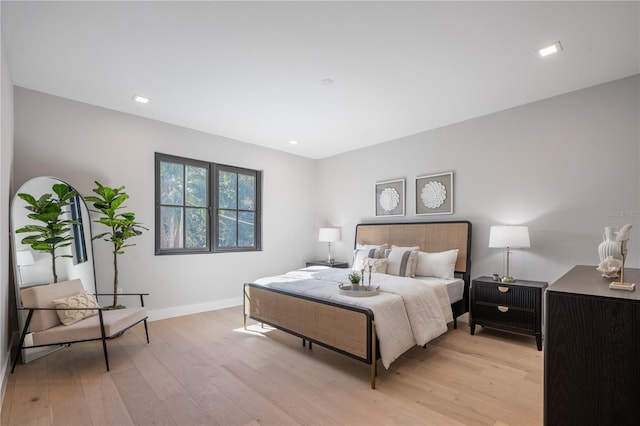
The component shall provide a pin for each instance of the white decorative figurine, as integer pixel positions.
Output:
(609, 267)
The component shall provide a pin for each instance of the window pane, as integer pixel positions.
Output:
(196, 186)
(196, 228)
(171, 183)
(227, 192)
(227, 221)
(246, 192)
(170, 227)
(246, 229)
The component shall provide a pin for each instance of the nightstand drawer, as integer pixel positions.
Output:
(505, 317)
(504, 294)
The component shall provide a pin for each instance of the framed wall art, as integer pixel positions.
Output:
(390, 198)
(434, 194)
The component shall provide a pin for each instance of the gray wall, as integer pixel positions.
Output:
(6, 162)
(565, 166)
(80, 143)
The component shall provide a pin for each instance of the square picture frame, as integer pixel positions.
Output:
(434, 194)
(390, 198)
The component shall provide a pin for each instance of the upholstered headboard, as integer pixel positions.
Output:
(429, 236)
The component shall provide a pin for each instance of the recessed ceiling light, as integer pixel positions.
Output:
(141, 99)
(293, 142)
(550, 50)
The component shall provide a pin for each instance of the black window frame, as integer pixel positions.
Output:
(212, 206)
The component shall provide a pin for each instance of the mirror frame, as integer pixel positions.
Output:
(82, 264)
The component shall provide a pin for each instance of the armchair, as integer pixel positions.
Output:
(51, 306)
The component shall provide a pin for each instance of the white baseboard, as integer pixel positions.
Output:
(177, 311)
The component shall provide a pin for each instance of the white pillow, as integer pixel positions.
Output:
(379, 253)
(439, 265)
(401, 262)
(405, 248)
(378, 266)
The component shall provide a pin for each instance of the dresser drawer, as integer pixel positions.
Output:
(505, 317)
(504, 294)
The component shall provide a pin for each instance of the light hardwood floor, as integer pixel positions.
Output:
(204, 369)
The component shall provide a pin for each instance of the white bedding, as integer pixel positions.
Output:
(408, 312)
(455, 287)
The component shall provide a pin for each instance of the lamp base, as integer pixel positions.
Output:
(622, 286)
(508, 280)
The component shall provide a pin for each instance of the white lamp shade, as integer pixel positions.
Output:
(24, 258)
(329, 235)
(509, 236)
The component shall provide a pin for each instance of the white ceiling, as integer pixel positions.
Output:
(253, 71)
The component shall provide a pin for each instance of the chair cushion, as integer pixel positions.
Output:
(75, 308)
(41, 296)
(115, 321)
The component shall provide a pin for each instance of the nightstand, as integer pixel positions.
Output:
(330, 265)
(515, 307)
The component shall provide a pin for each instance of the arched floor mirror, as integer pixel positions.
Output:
(33, 267)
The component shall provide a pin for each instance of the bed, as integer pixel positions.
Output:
(307, 303)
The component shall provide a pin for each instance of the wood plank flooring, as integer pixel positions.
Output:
(204, 369)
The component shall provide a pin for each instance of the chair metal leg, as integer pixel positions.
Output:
(104, 340)
(106, 355)
(146, 330)
(22, 337)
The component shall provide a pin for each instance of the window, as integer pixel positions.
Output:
(206, 207)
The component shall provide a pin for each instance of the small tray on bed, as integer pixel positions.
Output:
(358, 290)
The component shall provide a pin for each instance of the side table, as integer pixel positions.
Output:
(515, 307)
(330, 265)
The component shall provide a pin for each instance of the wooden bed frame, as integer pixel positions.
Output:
(348, 329)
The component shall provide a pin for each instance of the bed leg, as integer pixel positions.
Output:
(374, 358)
(304, 343)
(245, 321)
(455, 322)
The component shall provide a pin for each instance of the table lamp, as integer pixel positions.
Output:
(509, 237)
(23, 258)
(329, 235)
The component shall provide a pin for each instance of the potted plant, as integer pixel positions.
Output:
(354, 277)
(122, 226)
(55, 231)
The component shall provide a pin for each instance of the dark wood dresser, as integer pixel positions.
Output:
(592, 350)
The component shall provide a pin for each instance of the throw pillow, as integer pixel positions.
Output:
(379, 249)
(76, 308)
(401, 262)
(378, 266)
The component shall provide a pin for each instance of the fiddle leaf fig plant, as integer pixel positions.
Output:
(54, 232)
(122, 226)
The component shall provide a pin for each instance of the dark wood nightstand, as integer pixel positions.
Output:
(515, 307)
(331, 265)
